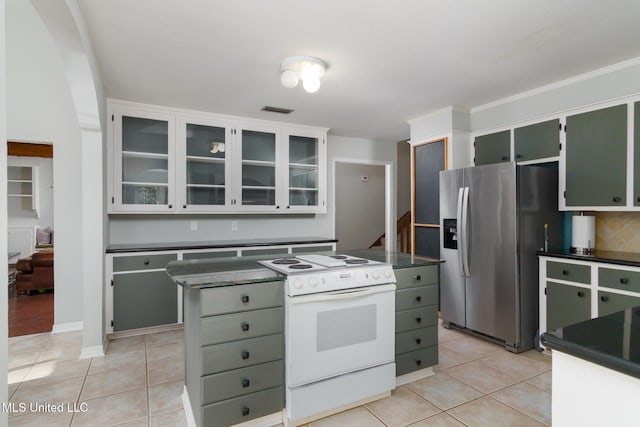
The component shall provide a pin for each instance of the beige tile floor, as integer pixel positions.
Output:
(140, 380)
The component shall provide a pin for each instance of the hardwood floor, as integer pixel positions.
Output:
(30, 314)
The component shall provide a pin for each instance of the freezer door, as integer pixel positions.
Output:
(491, 285)
(452, 281)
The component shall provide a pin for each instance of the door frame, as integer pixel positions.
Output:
(389, 212)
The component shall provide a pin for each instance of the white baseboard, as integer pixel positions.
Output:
(93, 351)
(186, 403)
(270, 420)
(67, 327)
(414, 376)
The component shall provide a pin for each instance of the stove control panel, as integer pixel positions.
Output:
(339, 279)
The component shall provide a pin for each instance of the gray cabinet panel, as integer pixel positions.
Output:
(427, 241)
(416, 276)
(236, 326)
(144, 299)
(428, 162)
(567, 305)
(416, 297)
(537, 141)
(142, 262)
(571, 272)
(609, 302)
(231, 299)
(636, 154)
(416, 339)
(619, 279)
(206, 255)
(596, 158)
(272, 251)
(242, 381)
(493, 148)
(239, 354)
(418, 318)
(412, 361)
(311, 249)
(243, 408)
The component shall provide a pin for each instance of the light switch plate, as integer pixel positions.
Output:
(234, 225)
(193, 225)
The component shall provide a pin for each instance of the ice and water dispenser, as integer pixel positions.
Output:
(450, 240)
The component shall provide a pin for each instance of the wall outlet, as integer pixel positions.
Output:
(234, 225)
(364, 178)
(193, 225)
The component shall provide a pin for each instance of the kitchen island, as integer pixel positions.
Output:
(234, 333)
(596, 370)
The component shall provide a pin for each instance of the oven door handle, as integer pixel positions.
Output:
(346, 294)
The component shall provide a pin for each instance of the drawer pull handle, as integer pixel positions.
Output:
(565, 272)
(418, 298)
(638, 199)
(418, 277)
(245, 382)
(418, 341)
(245, 298)
(617, 199)
(580, 294)
(604, 298)
(245, 326)
(184, 206)
(146, 262)
(419, 362)
(245, 354)
(245, 411)
(418, 319)
(624, 280)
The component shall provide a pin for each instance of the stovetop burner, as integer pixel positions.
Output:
(286, 261)
(338, 256)
(357, 261)
(300, 266)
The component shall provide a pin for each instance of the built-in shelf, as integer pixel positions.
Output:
(257, 187)
(146, 184)
(258, 163)
(304, 165)
(206, 159)
(144, 155)
(302, 189)
(205, 186)
(22, 183)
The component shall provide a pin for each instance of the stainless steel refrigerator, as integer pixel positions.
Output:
(492, 221)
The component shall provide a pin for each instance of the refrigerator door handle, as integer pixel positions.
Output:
(465, 231)
(460, 232)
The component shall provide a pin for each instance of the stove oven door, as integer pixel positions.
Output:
(333, 333)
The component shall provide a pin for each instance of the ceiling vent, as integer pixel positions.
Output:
(277, 110)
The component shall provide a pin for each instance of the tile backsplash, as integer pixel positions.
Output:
(618, 231)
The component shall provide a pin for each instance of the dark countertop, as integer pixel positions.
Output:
(612, 341)
(172, 246)
(214, 272)
(612, 257)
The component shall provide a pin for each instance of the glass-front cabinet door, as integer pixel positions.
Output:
(144, 161)
(204, 175)
(259, 155)
(304, 153)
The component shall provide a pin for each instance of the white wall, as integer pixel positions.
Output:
(403, 186)
(359, 204)
(4, 395)
(40, 109)
(20, 212)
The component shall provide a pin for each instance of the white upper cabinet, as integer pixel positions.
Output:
(172, 161)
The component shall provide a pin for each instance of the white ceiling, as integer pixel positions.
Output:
(389, 61)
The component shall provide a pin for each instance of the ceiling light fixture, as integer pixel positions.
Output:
(305, 68)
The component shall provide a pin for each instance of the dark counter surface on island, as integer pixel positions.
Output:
(611, 341)
(204, 273)
(631, 259)
(217, 244)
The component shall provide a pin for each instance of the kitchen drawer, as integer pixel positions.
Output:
(610, 302)
(142, 262)
(619, 279)
(239, 354)
(207, 255)
(416, 318)
(239, 382)
(230, 299)
(416, 339)
(416, 297)
(415, 360)
(570, 272)
(246, 324)
(416, 276)
(243, 408)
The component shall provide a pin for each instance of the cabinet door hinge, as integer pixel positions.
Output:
(564, 194)
(112, 118)
(545, 291)
(559, 147)
(560, 126)
(112, 323)
(565, 128)
(113, 199)
(111, 282)
(323, 203)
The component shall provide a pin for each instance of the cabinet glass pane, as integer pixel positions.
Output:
(206, 154)
(145, 177)
(259, 146)
(253, 196)
(303, 171)
(258, 168)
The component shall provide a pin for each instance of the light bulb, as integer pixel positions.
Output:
(289, 79)
(311, 84)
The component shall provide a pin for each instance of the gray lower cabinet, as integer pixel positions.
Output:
(492, 148)
(537, 141)
(596, 158)
(144, 299)
(234, 338)
(416, 344)
(609, 302)
(636, 154)
(567, 305)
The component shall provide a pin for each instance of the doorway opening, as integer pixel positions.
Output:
(30, 238)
